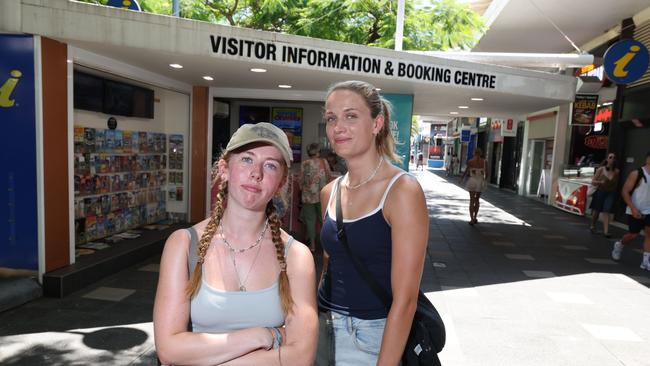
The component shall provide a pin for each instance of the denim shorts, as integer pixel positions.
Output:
(356, 341)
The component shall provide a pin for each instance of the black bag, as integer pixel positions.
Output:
(427, 336)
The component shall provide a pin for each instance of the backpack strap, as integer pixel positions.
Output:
(640, 174)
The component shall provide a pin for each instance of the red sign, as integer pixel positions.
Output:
(604, 114)
(597, 142)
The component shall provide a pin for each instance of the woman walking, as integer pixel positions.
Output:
(606, 180)
(386, 223)
(314, 175)
(476, 174)
(243, 286)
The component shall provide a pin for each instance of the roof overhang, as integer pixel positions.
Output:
(151, 42)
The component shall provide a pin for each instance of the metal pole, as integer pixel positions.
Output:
(175, 8)
(399, 29)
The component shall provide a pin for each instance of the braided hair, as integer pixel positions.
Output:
(275, 224)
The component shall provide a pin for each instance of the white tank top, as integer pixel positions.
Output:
(641, 195)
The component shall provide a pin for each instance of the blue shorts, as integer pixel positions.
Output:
(356, 341)
(603, 201)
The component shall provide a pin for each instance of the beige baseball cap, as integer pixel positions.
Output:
(262, 132)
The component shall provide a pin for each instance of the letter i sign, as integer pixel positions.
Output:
(626, 61)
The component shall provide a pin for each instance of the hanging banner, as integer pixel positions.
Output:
(584, 109)
(290, 121)
(400, 125)
(18, 216)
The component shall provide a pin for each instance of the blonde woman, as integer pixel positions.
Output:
(243, 285)
(386, 222)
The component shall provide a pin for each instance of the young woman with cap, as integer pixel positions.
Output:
(386, 223)
(242, 284)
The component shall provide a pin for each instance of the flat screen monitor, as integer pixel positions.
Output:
(88, 92)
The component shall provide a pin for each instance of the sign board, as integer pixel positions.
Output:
(626, 61)
(508, 128)
(584, 109)
(598, 142)
(465, 135)
(400, 125)
(124, 4)
(290, 121)
(18, 216)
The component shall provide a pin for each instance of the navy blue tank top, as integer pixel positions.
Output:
(344, 291)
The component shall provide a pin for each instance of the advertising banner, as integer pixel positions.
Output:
(18, 216)
(400, 125)
(584, 109)
(290, 121)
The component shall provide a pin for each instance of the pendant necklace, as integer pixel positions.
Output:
(367, 179)
(232, 251)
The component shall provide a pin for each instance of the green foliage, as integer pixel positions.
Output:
(445, 24)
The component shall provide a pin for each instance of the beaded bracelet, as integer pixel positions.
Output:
(272, 336)
(277, 337)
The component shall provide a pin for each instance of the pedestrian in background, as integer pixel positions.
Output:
(476, 175)
(420, 163)
(636, 193)
(314, 175)
(385, 220)
(606, 181)
(242, 285)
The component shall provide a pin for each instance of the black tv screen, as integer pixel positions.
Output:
(142, 102)
(118, 98)
(88, 92)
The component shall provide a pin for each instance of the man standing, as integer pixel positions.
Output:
(636, 193)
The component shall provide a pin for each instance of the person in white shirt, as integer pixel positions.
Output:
(636, 193)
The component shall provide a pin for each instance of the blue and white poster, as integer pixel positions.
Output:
(400, 125)
(18, 217)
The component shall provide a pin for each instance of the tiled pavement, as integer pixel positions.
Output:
(528, 285)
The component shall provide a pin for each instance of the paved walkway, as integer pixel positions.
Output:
(528, 285)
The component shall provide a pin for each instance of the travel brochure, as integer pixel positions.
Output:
(98, 140)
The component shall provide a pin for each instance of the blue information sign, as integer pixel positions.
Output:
(400, 125)
(18, 216)
(465, 135)
(626, 61)
(125, 4)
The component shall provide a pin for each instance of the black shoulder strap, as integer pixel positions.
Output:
(639, 175)
(379, 291)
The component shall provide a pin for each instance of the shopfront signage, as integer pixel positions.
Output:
(584, 109)
(18, 216)
(323, 59)
(626, 61)
(598, 142)
(290, 121)
(604, 114)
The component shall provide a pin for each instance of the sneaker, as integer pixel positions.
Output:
(645, 265)
(616, 252)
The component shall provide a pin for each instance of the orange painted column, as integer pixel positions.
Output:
(199, 144)
(55, 153)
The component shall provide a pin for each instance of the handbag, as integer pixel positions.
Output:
(427, 335)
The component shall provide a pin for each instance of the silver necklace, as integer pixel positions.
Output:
(242, 284)
(232, 251)
(367, 179)
(257, 242)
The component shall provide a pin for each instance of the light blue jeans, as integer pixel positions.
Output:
(356, 341)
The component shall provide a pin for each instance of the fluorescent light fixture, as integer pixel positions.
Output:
(208, 78)
(284, 86)
(453, 112)
(176, 66)
(477, 99)
(607, 103)
(463, 107)
(255, 69)
(378, 89)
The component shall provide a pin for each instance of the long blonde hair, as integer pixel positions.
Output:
(275, 224)
(384, 141)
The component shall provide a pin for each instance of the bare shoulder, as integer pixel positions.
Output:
(299, 257)
(404, 191)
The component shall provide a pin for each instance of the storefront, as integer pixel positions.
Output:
(175, 104)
